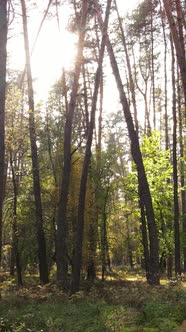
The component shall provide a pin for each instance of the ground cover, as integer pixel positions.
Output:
(123, 303)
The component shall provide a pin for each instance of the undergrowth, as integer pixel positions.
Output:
(112, 306)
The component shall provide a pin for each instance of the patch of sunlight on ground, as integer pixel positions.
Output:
(133, 277)
(164, 281)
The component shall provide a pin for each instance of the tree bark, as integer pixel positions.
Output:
(62, 233)
(145, 239)
(129, 68)
(43, 268)
(144, 191)
(182, 177)
(178, 42)
(129, 245)
(80, 224)
(92, 232)
(15, 249)
(103, 241)
(175, 171)
(152, 67)
(3, 59)
(165, 81)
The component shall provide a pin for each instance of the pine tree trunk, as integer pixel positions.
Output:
(165, 83)
(144, 191)
(145, 239)
(129, 247)
(182, 176)
(177, 36)
(80, 224)
(15, 250)
(43, 268)
(175, 172)
(103, 243)
(62, 232)
(129, 68)
(152, 68)
(183, 204)
(3, 58)
(92, 235)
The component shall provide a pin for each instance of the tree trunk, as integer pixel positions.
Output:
(169, 265)
(182, 177)
(91, 266)
(165, 82)
(145, 240)
(178, 41)
(61, 235)
(103, 242)
(3, 58)
(175, 172)
(92, 234)
(152, 67)
(85, 101)
(43, 269)
(129, 246)
(80, 224)
(15, 249)
(129, 68)
(144, 191)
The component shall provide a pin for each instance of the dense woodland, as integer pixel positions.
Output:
(85, 187)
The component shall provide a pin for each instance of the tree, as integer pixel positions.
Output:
(43, 268)
(144, 192)
(3, 58)
(61, 236)
(129, 67)
(175, 171)
(177, 37)
(82, 192)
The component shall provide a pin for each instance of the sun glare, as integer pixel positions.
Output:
(54, 51)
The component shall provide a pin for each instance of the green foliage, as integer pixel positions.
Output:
(163, 315)
(159, 171)
(117, 307)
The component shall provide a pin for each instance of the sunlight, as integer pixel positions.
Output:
(54, 51)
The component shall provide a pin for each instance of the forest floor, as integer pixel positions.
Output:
(123, 303)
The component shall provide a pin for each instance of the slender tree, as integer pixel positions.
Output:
(80, 224)
(144, 191)
(43, 269)
(61, 236)
(3, 58)
(15, 249)
(182, 169)
(129, 68)
(177, 36)
(175, 171)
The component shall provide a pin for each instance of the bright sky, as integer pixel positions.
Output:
(54, 48)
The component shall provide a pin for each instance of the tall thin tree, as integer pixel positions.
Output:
(3, 59)
(177, 37)
(129, 67)
(15, 247)
(82, 193)
(61, 235)
(43, 268)
(144, 191)
(175, 171)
